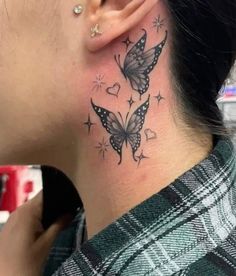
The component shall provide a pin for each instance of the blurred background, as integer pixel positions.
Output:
(227, 103)
(18, 184)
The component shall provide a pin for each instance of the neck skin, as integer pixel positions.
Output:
(109, 190)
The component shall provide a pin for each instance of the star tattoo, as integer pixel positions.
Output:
(103, 147)
(141, 157)
(98, 83)
(89, 124)
(131, 101)
(159, 98)
(158, 23)
(127, 42)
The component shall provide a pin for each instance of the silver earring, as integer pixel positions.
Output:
(95, 31)
(78, 9)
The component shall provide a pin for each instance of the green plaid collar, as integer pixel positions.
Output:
(166, 234)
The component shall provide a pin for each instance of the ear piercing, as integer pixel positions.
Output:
(95, 31)
(78, 9)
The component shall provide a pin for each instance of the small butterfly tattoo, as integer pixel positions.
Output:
(138, 64)
(127, 132)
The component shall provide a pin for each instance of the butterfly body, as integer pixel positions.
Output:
(127, 132)
(138, 64)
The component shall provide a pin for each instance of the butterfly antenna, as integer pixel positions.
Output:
(117, 59)
(126, 125)
(126, 119)
(118, 62)
(122, 120)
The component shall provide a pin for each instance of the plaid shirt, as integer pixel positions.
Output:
(189, 228)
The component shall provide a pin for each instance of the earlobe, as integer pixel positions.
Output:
(109, 21)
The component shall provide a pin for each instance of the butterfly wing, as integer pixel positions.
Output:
(139, 82)
(135, 125)
(136, 51)
(151, 57)
(113, 127)
(139, 64)
(134, 140)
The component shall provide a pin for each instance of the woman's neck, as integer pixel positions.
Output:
(109, 190)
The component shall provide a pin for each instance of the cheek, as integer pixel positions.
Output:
(30, 37)
(35, 65)
(29, 22)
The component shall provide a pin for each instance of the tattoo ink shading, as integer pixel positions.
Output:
(114, 90)
(89, 124)
(141, 157)
(98, 83)
(159, 98)
(121, 131)
(138, 64)
(127, 42)
(158, 23)
(103, 148)
(150, 134)
(131, 102)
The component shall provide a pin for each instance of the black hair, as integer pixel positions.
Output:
(203, 53)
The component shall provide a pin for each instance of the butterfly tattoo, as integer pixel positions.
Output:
(123, 132)
(138, 64)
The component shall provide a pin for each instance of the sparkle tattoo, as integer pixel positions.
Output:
(141, 157)
(121, 131)
(103, 147)
(131, 102)
(98, 83)
(138, 64)
(89, 124)
(158, 23)
(159, 98)
(127, 42)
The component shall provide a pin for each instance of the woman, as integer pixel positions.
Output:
(121, 97)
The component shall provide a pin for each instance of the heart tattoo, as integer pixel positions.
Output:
(150, 135)
(114, 90)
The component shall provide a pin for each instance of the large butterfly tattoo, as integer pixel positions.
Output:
(123, 132)
(139, 64)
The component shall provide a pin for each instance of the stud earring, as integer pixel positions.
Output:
(78, 9)
(95, 31)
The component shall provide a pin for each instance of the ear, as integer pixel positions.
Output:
(113, 18)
